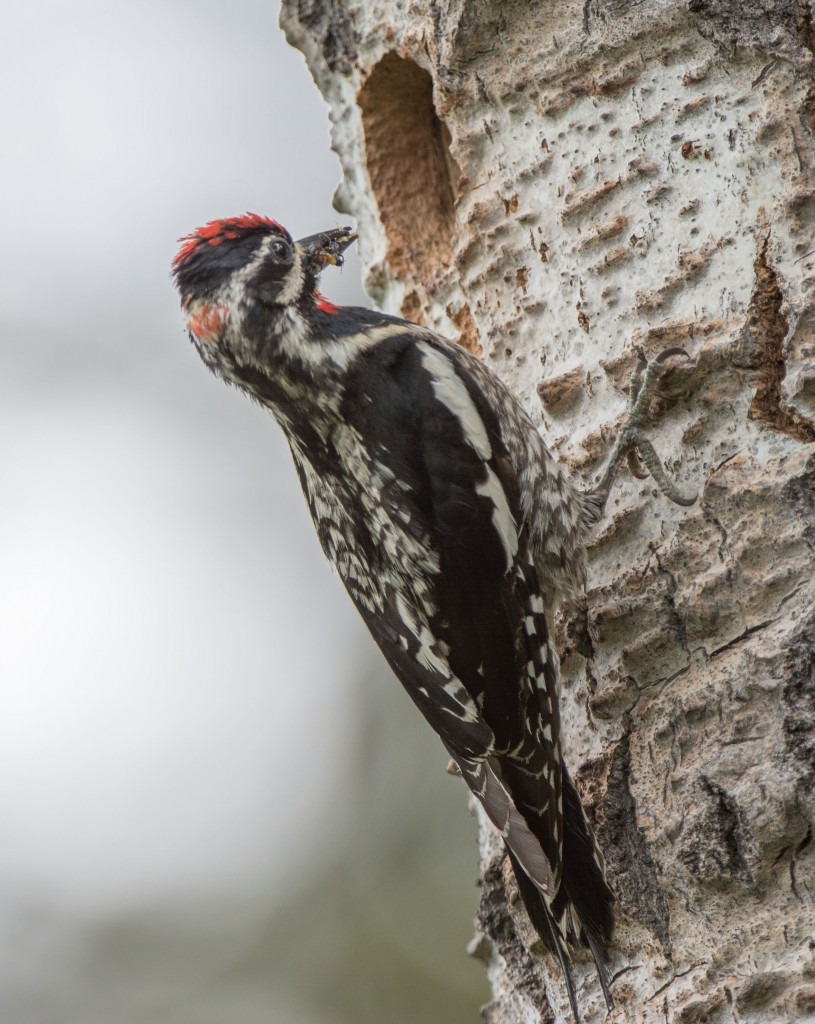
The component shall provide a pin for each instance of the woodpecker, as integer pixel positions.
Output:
(454, 530)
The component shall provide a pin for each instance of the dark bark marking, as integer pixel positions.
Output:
(524, 970)
(750, 23)
(799, 702)
(632, 872)
(713, 842)
(762, 351)
(329, 24)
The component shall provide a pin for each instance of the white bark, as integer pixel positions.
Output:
(556, 183)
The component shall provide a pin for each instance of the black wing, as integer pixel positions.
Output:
(419, 507)
(458, 611)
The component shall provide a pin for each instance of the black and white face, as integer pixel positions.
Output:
(227, 258)
(238, 278)
(249, 293)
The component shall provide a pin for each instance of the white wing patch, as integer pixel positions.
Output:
(449, 389)
(502, 518)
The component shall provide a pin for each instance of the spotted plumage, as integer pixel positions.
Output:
(452, 527)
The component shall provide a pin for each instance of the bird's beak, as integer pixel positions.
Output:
(327, 248)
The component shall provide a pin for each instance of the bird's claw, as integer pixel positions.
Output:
(631, 443)
(635, 466)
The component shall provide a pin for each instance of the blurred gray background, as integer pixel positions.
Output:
(217, 805)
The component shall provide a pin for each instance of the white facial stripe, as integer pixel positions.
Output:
(291, 285)
(449, 389)
(294, 279)
(248, 271)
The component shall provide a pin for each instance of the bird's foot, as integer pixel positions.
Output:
(631, 443)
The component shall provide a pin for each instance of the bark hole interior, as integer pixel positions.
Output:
(410, 167)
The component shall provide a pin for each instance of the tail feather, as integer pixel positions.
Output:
(545, 926)
(582, 910)
(584, 879)
(600, 960)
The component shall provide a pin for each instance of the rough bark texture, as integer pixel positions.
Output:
(555, 183)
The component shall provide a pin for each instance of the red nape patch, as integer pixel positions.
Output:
(324, 306)
(207, 322)
(217, 230)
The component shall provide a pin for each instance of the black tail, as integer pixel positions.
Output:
(584, 879)
(584, 887)
(545, 926)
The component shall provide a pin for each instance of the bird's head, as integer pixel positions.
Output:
(243, 281)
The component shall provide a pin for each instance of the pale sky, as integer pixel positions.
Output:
(175, 654)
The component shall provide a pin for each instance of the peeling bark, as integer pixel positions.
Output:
(556, 184)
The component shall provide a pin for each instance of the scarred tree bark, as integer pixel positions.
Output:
(556, 183)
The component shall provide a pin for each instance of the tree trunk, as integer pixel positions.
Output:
(556, 183)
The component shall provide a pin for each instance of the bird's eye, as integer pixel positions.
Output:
(279, 250)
